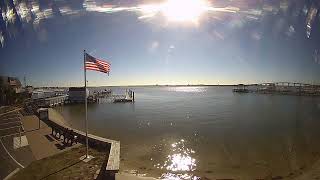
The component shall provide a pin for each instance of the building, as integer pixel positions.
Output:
(12, 82)
(77, 94)
(11, 90)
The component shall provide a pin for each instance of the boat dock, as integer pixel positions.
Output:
(102, 94)
(51, 101)
(115, 98)
(287, 88)
(77, 95)
(127, 97)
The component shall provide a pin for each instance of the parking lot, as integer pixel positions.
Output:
(14, 146)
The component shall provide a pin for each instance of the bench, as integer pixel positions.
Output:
(73, 135)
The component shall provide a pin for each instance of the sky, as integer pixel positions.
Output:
(245, 42)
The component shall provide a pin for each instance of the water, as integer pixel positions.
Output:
(191, 132)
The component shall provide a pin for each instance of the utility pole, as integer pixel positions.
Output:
(25, 81)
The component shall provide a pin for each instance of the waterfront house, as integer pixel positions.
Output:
(12, 82)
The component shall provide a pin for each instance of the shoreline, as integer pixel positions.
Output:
(123, 174)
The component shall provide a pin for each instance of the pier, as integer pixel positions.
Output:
(127, 97)
(102, 94)
(241, 88)
(52, 101)
(288, 88)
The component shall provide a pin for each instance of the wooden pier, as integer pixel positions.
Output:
(241, 88)
(115, 98)
(127, 97)
(51, 101)
(77, 95)
(102, 94)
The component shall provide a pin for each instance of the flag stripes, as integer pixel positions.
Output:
(95, 64)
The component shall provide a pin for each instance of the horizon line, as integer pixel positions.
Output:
(140, 85)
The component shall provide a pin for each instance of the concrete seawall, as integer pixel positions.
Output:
(111, 147)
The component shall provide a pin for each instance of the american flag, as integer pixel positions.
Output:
(95, 64)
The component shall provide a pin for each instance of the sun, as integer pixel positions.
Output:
(184, 10)
(177, 10)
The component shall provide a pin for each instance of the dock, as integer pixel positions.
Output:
(241, 88)
(127, 97)
(77, 95)
(51, 101)
(102, 94)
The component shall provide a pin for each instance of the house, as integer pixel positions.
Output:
(12, 82)
(10, 90)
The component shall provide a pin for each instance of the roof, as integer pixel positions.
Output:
(76, 89)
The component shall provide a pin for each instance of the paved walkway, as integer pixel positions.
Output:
(42, 143)
(10, 157)
(8, 112)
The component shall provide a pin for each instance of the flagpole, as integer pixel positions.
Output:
(85, 101)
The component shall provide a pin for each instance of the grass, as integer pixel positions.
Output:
(65, 165)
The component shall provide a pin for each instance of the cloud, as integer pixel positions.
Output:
(1, 39)
(171, 48)
(154, 46)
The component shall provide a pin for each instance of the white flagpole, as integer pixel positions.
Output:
(85, 100)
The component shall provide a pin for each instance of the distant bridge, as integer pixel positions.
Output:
(294, 84)
(291, 88)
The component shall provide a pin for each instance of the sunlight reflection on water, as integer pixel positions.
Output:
(188, 89)
(180, 163)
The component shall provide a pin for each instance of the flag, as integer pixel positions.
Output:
(96, 64)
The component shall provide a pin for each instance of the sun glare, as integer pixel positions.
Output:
(184, 10)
